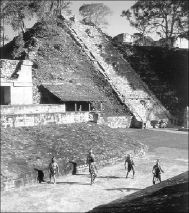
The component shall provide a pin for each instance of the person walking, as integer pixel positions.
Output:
(92, 165)
(129, 165)
(156, 171)
(90, 158)
(53, 169)
(93, 172)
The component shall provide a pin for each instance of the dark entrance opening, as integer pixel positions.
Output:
(77, 106)
(5, 95)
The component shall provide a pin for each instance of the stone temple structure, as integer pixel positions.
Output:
(16, 82)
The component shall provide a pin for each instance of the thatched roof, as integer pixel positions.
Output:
(72, 92)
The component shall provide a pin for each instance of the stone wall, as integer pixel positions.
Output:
(116, 121)
(42, 118)
(32, 109)
(16, 70)
(42, 114)
(186, 118)
(17, 76)
(8, 184)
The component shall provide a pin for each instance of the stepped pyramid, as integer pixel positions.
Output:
(126, 83)
(70, 52)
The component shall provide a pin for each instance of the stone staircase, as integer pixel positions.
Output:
(131, 90)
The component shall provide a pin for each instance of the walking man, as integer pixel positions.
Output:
(53, 169)
(157, 170)
(93, 172)
(90, 158)
(129, 165)
(92, 166)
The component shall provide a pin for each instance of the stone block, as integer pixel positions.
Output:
(40, 117)
(18, 183)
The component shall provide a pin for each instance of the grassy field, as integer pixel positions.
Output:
(155, 139)
(26, 148)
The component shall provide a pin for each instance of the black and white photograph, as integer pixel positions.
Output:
(94, 106)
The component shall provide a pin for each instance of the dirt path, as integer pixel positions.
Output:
(75, 194)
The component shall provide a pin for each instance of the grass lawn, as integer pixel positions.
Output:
(155, 139)
(26, 148)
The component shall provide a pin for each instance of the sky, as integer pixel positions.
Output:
(117, 24)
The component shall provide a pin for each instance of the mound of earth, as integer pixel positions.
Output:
(170, 196)
(26, 148)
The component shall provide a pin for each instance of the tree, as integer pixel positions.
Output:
(49, 10)
(95, 13)
(3, 38)
(15, 12)
(168, 18)
(2, 26)
(19, 49)
(139, 19)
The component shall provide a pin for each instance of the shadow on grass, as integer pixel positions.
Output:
(82, 174)
(71, 183)
(113, 177)
(124, 189)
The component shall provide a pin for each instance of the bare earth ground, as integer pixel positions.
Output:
(75, 194)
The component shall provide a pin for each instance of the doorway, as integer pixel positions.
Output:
(5, 95)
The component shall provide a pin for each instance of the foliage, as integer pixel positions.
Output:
(168, 81)
(18, 47)
(95, 13)
(168, 18)
(49, 10)
(17, 12)
(3, 37)
(137, 20)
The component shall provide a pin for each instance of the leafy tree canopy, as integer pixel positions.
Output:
(169, 19)
(15, 12)
(95, 13)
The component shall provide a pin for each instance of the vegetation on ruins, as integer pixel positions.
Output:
(16, 13)
(95, 13)
(167, 80)
(169, 19)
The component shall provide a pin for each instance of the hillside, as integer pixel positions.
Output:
(58, 59)
(23, 149)
(165, 71)
(171, 196)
